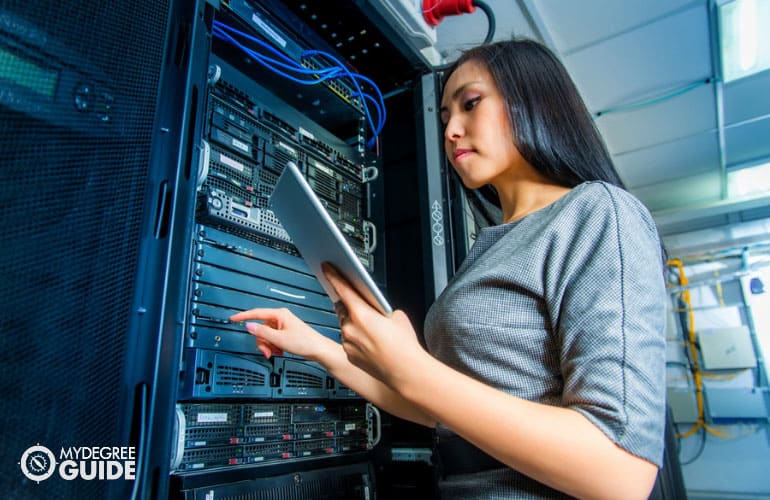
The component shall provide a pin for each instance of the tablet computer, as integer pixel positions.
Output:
(318, 238)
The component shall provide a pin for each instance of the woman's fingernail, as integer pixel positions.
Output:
(251, 327)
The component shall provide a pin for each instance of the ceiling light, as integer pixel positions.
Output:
(749, 182)
(745, 48)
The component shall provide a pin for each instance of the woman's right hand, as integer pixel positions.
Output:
(280, 330)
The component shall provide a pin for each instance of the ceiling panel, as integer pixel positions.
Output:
(681, 116)
(748, 142)
(748, 219)
(670, 160)
(680, 193)
(573, 25)
(644, 63)
(692, 224)
(747, 232)
(747, 98)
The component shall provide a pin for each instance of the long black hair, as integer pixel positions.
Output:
(552, 128)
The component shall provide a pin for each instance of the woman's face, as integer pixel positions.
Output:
(477, 137)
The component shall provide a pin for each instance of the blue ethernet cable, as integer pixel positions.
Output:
(285, 65)
(354, 77)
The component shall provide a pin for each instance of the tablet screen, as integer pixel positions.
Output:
(318, 238)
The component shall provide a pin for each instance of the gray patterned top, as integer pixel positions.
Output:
(566, 307)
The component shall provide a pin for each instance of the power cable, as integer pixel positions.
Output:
(490, 19)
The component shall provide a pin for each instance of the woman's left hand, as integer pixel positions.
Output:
(386, 347)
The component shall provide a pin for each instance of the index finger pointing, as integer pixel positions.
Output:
(260, 314)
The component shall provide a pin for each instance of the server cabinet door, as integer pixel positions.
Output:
(94, 110)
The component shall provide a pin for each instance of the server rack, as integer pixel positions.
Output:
(96, 108)
(279, 426)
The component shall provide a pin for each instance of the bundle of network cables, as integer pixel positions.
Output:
(283, 65)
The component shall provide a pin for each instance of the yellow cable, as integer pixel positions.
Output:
(719, 289)
(691, 342)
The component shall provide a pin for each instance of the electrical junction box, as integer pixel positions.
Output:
(727, 348)
(682, 402)
(736, 402)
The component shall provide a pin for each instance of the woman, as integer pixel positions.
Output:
(544, 374)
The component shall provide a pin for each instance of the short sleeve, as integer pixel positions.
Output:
(610, 322)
